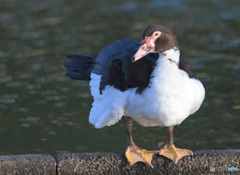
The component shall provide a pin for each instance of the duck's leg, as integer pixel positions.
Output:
(133, 153)
(169, 150)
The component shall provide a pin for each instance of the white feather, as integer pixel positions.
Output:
(171, 97)
(108, 107)
(95, 84)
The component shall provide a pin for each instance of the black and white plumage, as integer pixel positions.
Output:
(148, 82)
(108, 72)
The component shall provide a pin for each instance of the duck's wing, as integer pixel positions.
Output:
(80, 66)
(186, 66)
(108, 85)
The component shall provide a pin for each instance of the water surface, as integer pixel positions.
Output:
(42, 111)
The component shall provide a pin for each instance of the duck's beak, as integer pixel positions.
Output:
(145, 48)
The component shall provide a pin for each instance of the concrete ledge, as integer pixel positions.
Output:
(202, 162)
(27, 164)
(115, 163)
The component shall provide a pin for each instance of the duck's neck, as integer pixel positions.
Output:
(169, 57)
(165, 70)
(166, 65)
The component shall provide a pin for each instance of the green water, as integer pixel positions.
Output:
(42, 111)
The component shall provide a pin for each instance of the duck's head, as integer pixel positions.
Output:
(156, 38)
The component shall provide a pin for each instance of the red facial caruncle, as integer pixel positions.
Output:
(146, 46)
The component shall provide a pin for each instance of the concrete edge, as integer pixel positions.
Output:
(27, 164)
(202, 162)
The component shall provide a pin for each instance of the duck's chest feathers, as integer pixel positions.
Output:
(160, 102)
(166, 75)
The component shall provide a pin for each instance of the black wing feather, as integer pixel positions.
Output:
(80, 66)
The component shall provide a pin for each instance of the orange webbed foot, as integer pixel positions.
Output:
(135, 154)
(173, 153)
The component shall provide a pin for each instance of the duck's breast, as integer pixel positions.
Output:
(169, 99)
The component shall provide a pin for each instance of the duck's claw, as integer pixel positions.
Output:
(135, 154)
(174, 153)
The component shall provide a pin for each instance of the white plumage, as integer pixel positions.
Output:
(171, 96)
(108, 107)
(169, 99)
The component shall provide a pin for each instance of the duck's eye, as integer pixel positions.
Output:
(156, 34)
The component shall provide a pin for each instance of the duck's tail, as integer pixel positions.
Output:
(79, 67)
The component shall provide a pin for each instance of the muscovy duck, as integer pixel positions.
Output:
(148, 83)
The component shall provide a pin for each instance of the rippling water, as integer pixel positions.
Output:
(42, 111)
